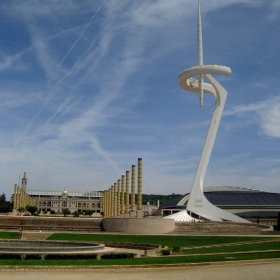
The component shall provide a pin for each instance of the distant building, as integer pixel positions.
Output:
(243, 202)
(74, 201)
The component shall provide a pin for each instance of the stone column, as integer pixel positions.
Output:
(132, 213)
(20, 198)
(111, 202)
(115, 200)
(139, 190)
(108, 203)
(127, 194)
(122, 195)
(119, 198)
(102, 208)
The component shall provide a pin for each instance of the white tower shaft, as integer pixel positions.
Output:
(200, 55)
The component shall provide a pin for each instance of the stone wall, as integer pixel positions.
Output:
(140, 226)
(50, 223)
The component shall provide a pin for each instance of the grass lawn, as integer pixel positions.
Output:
(164, 240)
(236, 248)
(10, 235)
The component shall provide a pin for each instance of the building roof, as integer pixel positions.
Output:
(69, 193)
(230, 196)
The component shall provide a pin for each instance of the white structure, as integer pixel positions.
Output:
(197, 202)
(181, 216)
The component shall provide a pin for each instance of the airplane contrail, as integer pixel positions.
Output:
(48, 97)
(92, 18)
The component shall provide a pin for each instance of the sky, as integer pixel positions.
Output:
(88, 87)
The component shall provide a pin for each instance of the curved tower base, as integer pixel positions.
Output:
(197, 202)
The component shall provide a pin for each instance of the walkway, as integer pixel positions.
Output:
(230, 271)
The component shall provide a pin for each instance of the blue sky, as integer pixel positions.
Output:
(87, 87)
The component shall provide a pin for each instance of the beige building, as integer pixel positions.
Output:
(74, 201)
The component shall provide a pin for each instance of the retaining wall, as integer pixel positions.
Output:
(50, 223)
(140, 226)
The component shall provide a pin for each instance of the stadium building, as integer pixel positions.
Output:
(56, 201)
(247, 203)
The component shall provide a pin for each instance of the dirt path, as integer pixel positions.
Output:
(32, 235)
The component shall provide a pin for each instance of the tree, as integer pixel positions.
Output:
(2, 199)
(88, 212)
(76, 214)
(5, 208)
(31, 209)
(20, 210)
(66, 212)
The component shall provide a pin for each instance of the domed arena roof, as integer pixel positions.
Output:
(243, 202)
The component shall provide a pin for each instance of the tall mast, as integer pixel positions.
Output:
(200, 55)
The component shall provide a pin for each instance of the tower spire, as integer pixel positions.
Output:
(200, 54)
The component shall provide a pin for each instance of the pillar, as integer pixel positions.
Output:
(133, 191)
(115, 200)
(127, 193)
(139, 190)
(111, 201)
(119, 198)
(122, 195)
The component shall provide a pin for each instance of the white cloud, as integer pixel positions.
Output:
(264, 113)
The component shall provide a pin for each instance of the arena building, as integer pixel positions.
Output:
(244, 202)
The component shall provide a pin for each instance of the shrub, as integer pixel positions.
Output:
(165, 252)
(76, 214)
(52, 212)
(176, 249)
(70, 257)
(10, 256)
(118, 256)
(33, 257)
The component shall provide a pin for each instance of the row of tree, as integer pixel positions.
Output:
(33, 210)
(5, 206)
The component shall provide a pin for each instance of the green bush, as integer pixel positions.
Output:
(176, 249)
(70, 257)
(33, 257)
(118, 256)
(165, 252)
(52, 212)
(76, 214)
(10, 256)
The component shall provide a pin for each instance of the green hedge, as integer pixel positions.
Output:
(70, 257)
(10, 256)
(165, 252)
(118, 256)
(33, 257)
